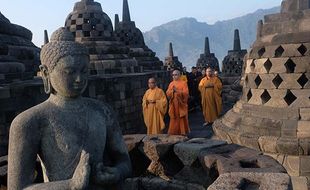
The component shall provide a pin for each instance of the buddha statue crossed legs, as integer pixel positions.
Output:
(70, 134)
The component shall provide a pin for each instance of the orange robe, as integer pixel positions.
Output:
(211, 99)
(178, 108)
(154, 113)
(183, 77)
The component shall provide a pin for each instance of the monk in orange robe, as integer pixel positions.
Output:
(154, 105)
(210, 88)
(178, 109)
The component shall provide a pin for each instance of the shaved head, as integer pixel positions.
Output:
(176, 75)
(209, 72)
(152, 79)
(152, 83)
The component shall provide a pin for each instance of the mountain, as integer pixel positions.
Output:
(187, 36)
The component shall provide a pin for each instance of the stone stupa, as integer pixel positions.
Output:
(171, 61)
(127, 33)
(19, 57)
(273, 114)
(232, 69)
(208, 59)
(93, 27)
(233, 62)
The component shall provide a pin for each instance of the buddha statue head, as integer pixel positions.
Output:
(64, 66)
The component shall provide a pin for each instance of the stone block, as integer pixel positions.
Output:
(251, 81)
(234, 158)
(256, 96)
(299, 183)
(270, 51)
(250, 66)
(303, 129)
(268, 144)
(159, 149)
(305, 166)
(278, 65)
(188, 151)
(290, 50)
(220, 131)
(232, 119)
(270, 112)
(277, 98)
(266, 82)
(289, 128)
(290, 81)
(302, 64)
(259, 66)
(292, 165)
(304, 114)
(302, 98)
(288, 146)
(249, 140)
(251, 180)
(133, 140)
(304, 146)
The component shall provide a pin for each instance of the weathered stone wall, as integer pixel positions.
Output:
(123, 92)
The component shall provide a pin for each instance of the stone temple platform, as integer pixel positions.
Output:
(175, 162)
(273, 115)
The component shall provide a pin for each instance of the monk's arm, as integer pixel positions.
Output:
(185, 92)
(161, 104)
(117, 148)
(169, 91)
(218, 87)
(201, 86)
(144, 104)
(24, 145)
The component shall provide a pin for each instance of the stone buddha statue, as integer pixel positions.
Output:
(71, 135)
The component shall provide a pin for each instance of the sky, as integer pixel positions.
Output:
(38, 15)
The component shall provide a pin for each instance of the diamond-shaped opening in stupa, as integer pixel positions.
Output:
(265, 97)
(279, 51)
(289, 98)
(277, 81)
(303, 80)
(302, 49)
(290, 66)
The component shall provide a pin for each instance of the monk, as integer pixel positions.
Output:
(178, 109)
(154, 106)
(210, 88)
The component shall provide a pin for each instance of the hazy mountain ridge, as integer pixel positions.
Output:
(187, 36)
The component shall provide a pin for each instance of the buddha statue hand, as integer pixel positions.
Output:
(81, 174)
(106, 175)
